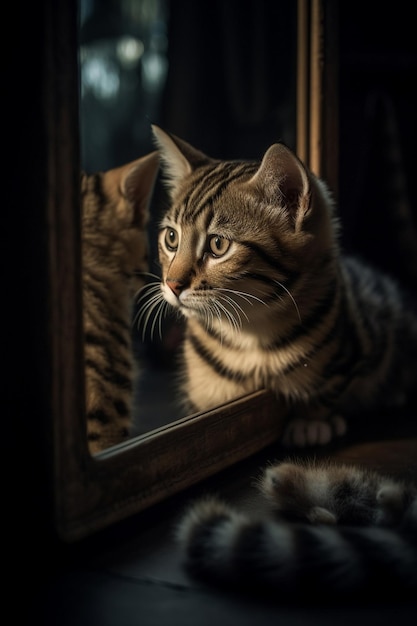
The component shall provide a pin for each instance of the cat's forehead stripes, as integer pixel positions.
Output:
(274, 260)
(206, 192)
(203, 175)
(203, 181)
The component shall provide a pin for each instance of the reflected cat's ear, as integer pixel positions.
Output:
(179, 158)
(138, 184)
(133, 181)
(139, 178)
(283, 178)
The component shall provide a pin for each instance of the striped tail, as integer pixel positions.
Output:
(228, 549)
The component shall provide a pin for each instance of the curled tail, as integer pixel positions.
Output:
(281, 558)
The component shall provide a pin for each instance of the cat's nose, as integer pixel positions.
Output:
(175, 285)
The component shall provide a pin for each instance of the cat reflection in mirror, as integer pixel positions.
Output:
(114, 216)
(250, 258)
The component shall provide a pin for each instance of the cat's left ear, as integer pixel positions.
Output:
(284, 178)
(179, 158)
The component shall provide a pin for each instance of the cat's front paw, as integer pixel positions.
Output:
(302, 432)
(299, 491)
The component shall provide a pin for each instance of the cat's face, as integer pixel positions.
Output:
(212, 259)
(238, 237)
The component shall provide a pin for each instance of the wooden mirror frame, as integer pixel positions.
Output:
(90, 493)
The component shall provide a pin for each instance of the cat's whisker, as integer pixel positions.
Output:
(209, 319)
(235, 323)
(157, 309)
(141, 318)
(243, 294)
(234, 306)
(158, 319)
(217, 310)
(157, 306)
(265, 293)
(291, 296)
(149, 300)
(162, 312)
(144, 315)
(144, 291)
(210, 312)
(150, 274)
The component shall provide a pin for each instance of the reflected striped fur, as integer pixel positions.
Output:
(114, 211)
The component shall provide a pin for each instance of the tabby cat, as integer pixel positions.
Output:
(332, 530)
(250, 257)
(114, 206)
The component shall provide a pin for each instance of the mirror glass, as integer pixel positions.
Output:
(220, 75)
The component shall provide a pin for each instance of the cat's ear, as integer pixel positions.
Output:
(137, 185)
(284, 178)
(179, 158)
(133, 181)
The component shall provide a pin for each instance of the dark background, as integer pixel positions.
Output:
(378, 104)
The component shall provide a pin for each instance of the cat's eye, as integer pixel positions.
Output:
(171, 239)
(218, 246)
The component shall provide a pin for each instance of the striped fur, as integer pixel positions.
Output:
(331, 531)
(250, 256)
(114, 256)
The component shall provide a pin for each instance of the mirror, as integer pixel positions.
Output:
(92, 492)
(226, 83)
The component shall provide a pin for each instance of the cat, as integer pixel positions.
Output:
(250, 258)
(332, 531)
(114, 214)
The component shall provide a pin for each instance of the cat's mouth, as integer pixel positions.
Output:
(192, 303)
(209, 307)
(178, 301)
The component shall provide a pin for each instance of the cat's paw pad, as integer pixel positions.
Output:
(302, 432)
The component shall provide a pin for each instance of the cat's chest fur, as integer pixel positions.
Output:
(254, 356)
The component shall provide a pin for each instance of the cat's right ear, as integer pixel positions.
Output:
(178, 157)
(283, 178)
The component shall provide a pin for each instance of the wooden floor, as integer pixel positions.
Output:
(132, 574)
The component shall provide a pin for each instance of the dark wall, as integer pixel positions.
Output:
(231, 84)
(378, 134)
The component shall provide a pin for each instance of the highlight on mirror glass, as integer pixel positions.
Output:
(225, 84)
